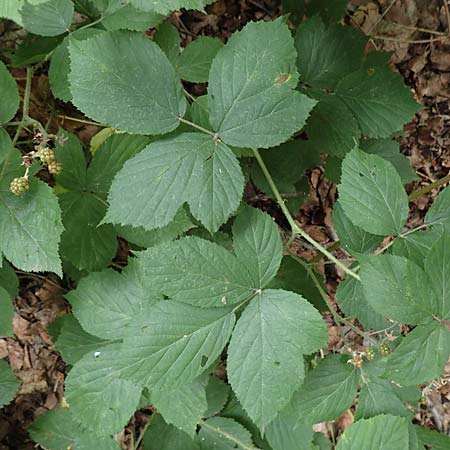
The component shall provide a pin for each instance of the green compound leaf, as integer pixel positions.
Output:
(30, 224)
(125, 80)
(220, 433)
(182, 407)
(397, 288)
(8, 384)
(437, 266)
(325, 56)
(58, 429)
(194, 63)
(381, 432)
(257, 245)
(9, 93)
(49, 18)
(439, 212)
(328, 390)
(421, 356)
(372, 195)
(265, 356)
(73, 342)
(354, 239)
(379, 100)
(6, 313)
(255, 104)
(161, 436)
(164, 7)
(190, 168)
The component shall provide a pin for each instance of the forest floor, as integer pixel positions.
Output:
(418, 34)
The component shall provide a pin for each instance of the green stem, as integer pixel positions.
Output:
(402, 235)
(428, 188)
(296, 230)
(26, 105)
(87, 122)
(142, 433)
(198, 127)
(91, 24)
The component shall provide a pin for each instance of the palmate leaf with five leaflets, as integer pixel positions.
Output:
(170, 343)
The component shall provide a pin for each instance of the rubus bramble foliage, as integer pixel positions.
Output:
(210, 281)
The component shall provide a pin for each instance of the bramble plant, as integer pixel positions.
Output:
(211, 282)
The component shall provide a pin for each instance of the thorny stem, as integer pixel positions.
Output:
(296, 230)
(194, 125)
